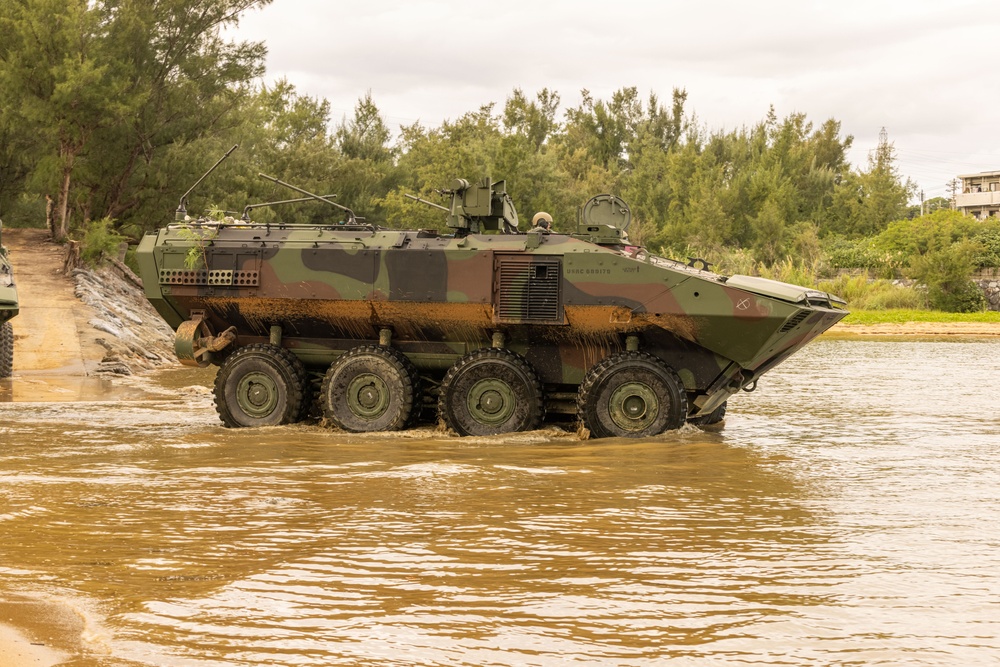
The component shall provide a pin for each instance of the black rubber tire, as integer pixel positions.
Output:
(491, 391)
(261, 372)
(370, 388)
(714, 417)
(634, 382)
(6, 350)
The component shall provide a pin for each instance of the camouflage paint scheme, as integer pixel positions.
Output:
(563, 302)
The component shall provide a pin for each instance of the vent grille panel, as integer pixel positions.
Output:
(795, 321)
(529, 290)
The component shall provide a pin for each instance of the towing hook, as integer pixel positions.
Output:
(750, 388)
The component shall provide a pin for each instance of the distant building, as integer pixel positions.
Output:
(979, 195)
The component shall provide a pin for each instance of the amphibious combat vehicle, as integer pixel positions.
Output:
(493, 330)
(8, 309)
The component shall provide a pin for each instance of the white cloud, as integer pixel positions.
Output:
(923, 69)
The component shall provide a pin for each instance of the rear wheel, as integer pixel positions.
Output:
(260, 385)
(370, 388)
(6, 350)
(631, 394)
(491, 391)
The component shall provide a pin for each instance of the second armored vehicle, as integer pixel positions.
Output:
(493, 330)
(8, 309)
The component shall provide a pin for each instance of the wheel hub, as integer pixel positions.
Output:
(257, 395)
(491, 401)
(633, 406)
(368, 396)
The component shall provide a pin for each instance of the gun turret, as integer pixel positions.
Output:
(485, 206)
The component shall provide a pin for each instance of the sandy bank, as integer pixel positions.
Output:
(83, 324)
(40, 633)
(16, 650)
(49, 332)
(917, 329)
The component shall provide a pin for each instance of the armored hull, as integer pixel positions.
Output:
(496, 330)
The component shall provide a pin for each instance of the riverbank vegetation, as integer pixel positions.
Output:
(111, 111)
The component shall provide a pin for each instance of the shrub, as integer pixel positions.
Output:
(851, 253)
(99, 236)
(893, 298)
(920, 235)
(788, 271)
(947, 271)
(988, 238)
(863, 293)
(865, 253)
(964, 297)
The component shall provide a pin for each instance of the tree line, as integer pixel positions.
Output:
(111, 109)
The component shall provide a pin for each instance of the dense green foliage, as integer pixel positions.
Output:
(113, 108)
(101, 98)
(939, 250)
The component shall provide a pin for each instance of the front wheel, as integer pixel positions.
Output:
(6, 350)
(632, 395)
(712, 418)
(260, 385)
(491, 391)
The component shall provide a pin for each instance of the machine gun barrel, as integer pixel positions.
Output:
(350, 213)
(429, 203)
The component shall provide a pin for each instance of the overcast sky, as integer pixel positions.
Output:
(927, 71)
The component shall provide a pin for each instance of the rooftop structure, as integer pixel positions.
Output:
(979, 195)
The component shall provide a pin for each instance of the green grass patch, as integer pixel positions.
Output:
(899, 316)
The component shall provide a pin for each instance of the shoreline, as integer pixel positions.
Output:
(949, 330)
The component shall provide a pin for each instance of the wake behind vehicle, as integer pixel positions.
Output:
(493, 330)
(8, 309)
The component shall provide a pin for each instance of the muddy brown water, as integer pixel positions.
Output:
(845, 515)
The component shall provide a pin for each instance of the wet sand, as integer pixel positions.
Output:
(18, 651)
(40, 633)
